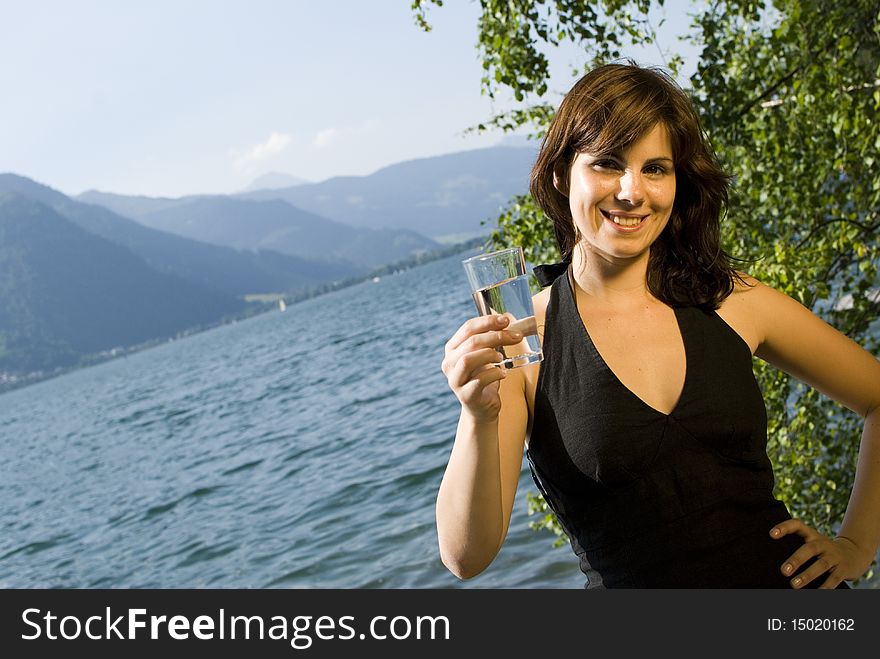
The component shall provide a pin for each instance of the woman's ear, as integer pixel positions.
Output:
(560, 179)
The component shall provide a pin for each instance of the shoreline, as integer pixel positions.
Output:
(10, 381)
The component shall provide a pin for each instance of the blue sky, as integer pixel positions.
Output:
(167, 98)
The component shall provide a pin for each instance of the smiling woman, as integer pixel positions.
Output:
(644, 426)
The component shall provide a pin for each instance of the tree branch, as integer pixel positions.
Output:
(867, 228)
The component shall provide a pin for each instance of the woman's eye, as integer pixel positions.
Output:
(605, 164)
(655, 170)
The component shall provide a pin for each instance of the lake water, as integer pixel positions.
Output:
(300, 449)
(291, 450)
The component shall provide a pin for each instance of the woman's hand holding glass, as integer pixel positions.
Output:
(470, 364)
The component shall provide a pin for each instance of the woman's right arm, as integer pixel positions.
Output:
(476, 495)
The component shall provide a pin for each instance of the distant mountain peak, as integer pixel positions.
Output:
(274, 181)
(28, 187)
(436, 196)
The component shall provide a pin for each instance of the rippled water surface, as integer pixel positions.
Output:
(291, 450)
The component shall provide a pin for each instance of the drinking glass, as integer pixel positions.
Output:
(500, 286)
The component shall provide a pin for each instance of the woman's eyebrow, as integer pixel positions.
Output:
(605, 155)
(616, 155)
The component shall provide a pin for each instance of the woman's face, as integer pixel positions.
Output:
(620, 202)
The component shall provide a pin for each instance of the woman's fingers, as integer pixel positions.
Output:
(471, 363)
(804, 553)
(474, 391)
(474, 344)
(792, 526)
(473, 326)
(483, 332)
(821, 552)
(822, 564)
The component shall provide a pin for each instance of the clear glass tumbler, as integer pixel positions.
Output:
(500, 286)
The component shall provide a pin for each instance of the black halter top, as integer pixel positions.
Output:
(654, 500)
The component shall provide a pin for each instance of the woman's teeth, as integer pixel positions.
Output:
(627, 221)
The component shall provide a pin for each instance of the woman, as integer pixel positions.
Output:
(644, 426)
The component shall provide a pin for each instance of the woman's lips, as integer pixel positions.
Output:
(626, 219)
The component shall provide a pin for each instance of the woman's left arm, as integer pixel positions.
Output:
(793, 339)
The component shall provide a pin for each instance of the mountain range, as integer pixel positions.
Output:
(66, 293)
(91, 275)
(273, 224)
(441, 198)
(232, 272)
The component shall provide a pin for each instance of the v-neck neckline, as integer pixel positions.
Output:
(598, 355)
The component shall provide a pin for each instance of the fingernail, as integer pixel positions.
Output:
(516, 335)
(775, 533)
(501, 319)
(796, 581)
(787, 568)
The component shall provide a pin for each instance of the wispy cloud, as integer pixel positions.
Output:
(276, 143)
(329, 136)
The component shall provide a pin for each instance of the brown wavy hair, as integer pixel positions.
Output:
(609, 109)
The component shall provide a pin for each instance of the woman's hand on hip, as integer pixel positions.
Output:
(837, 559)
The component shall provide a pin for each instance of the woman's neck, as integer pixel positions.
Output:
(616, 283)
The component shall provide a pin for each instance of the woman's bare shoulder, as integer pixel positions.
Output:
(746, 293)
(744, 282)
(738, 312)
(540, 300)
(754, 294)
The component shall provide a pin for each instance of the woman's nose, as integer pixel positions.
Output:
(631, 189)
